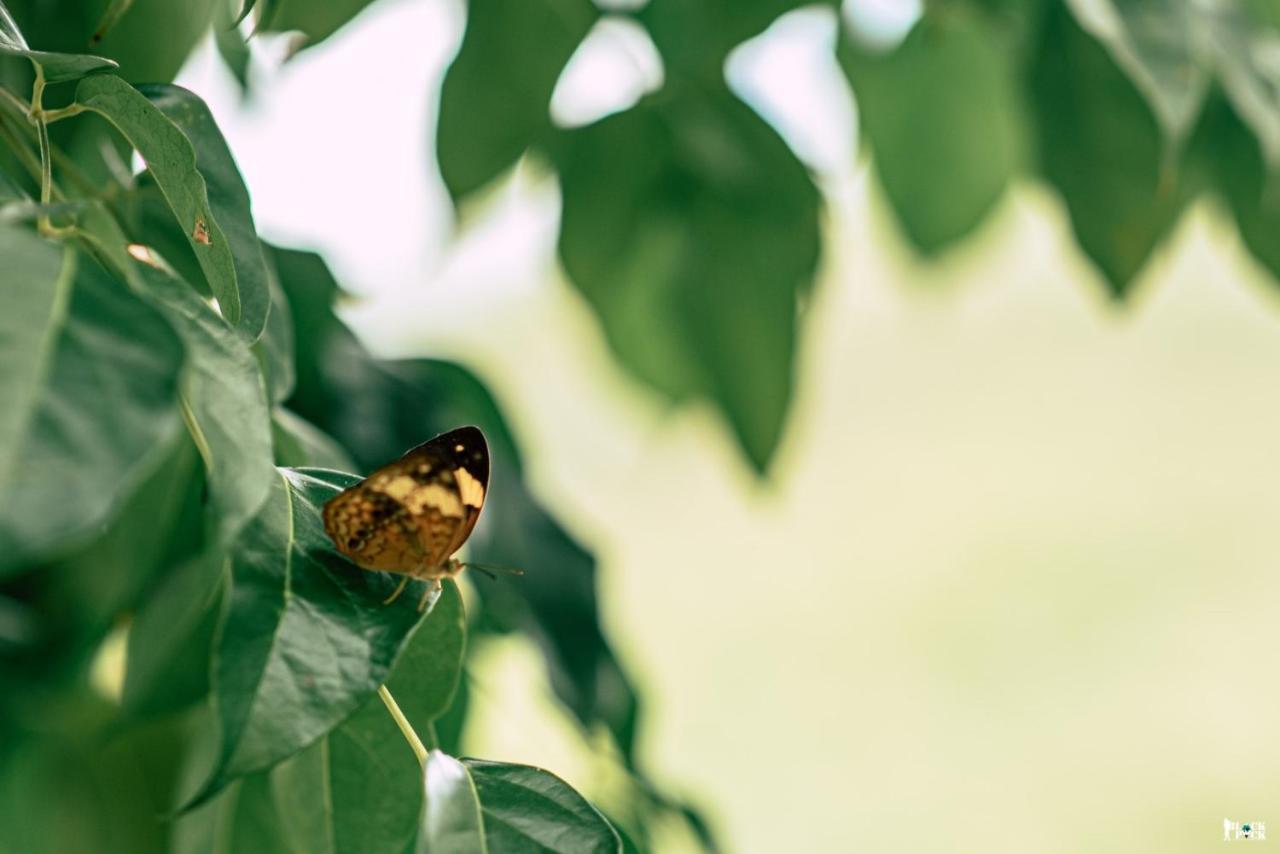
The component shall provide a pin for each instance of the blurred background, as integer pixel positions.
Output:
(1010, 582)
(995, 569)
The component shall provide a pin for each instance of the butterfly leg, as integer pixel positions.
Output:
(399, 589)
(433, 590)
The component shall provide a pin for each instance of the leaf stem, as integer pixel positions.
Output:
(406, 729)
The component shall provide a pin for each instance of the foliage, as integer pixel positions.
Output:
(181, 398)
(173, 384)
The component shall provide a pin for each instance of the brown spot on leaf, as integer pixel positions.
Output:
(200, 234)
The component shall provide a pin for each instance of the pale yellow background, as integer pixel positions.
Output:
(1014, 584)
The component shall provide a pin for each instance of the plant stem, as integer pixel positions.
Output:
(406, 729)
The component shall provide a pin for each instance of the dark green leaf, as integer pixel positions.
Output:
(305, 639)
(427, 675)
(57, 67)
(170, 641)
(228, 200)
(172, 160)
(1155, 43)
(1244, 48)
(451, 822)
(1239, 173)
(939, 112)
(1100, 147)
(110, 17)
(528, 809)
(70, 605)
(496, 95)
(90, 387)
(355, 791)
(692, 230)
(224, 402)
(695, 38)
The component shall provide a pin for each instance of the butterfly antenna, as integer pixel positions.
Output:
(489, 569)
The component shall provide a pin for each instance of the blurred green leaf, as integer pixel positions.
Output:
(695, 38)
(528, 809)
(228, 200)
(59, 796)
(68, 606)
(110, 17)
(496, 95)
(1246, 50)
(299, 443)
(1239, 173)
(1100, 147)
(171, 639)
(940, 114)
(355, 791)
(172, 160)
(224, 403)
(1154, 42)
(1168, 49)
(275, 348)
(305, 639)
(317, 21)
(451, 821)
(91, 387)
(692, 230)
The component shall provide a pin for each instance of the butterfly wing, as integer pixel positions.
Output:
(413, 514)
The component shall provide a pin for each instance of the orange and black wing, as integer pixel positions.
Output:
(414, 513)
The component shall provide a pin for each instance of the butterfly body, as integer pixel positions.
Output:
(410, 516)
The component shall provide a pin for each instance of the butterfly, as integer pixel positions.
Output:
(411, 515)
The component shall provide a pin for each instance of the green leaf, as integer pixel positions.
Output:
(528, 809)
(692, 230)
(90, 387)
(60, 795)
(299, 443)
(497, 93)
(451, 822)
(317, 21)
(305, 639)
(426, 676)
(1168, 49)
(171, 639)
(275, 348)
(243, 819)
(1100, 147)
(355, 791)
(228, 200)
(939, 113)
(1155, 43)
(224, 403)
(1245, 47)
(1240, 175)
(695, 38)
(110, 17)
(172, 160)
(57, 67)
